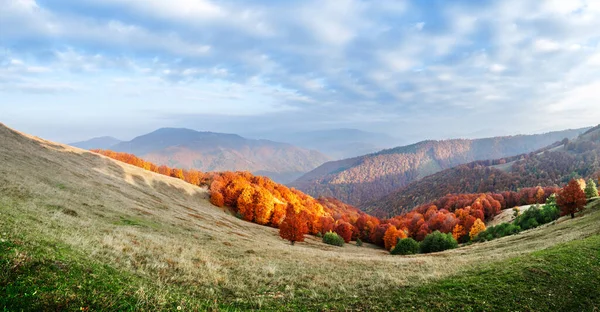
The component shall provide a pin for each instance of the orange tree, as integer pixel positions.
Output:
(571, 199)
(293, 226)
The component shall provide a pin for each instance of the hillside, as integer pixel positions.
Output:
(361, 180)
(83, 232)
(209, 151)
(554, 165)
(105, 142)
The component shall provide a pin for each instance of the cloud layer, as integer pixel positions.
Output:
(414, 69)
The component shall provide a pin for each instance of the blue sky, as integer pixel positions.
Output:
(71, 70)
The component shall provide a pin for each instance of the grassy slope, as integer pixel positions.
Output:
(79, 230)
(42, 275)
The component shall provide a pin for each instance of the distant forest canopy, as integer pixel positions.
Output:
(260, 200)
(360, 181)
(554, 166)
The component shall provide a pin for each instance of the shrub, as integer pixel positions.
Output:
(438, 241)
(333, 238)
(359, 242)
(590, 189)
(516, 211)
(536, 216)
(406, 246)
(319, 235)
(500, 230)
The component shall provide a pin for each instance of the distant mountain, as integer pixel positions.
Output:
(363, 179)
(340, 143)
(553, 165)
(105, 142)
(209, 151)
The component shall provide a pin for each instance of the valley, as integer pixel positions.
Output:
(72, 219)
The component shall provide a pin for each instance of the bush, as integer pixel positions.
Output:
(536, 216)
(406, 246)
(438, 241)
(333, 238)
(590, 189)
(319, 235)
(500, 230)
(358, 242)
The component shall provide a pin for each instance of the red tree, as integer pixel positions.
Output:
(344, 229)
(293, 226)
(571, 199)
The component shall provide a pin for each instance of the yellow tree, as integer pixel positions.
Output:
(477, 228)
(263, 205)
(245, 203)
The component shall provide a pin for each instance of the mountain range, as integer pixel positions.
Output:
(339, 143)
(553, 165)
(364, 179)
(209, 151)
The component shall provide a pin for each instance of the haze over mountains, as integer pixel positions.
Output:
(363, 179)
(339, 143)
(209, 151)
(105, 142)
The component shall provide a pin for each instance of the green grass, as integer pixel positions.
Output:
(562, 278)
(44, 276)
(49, 276)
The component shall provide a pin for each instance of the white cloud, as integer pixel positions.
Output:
(374, 57)
(546, 45)
(497, 68)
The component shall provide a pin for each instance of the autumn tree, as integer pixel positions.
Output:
(293, 226)
(264, 204)
(327, 224)
(590, 189)
(391, 237)
(216, 199)
(477, 228)
(245, 203)
(571, 199)
(177, 173)
(458, 232)
(344, 229)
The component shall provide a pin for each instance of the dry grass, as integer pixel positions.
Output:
(166, 230)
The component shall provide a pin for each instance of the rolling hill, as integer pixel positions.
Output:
(209, 151)
(83, 232)
(553, 165)
(363, 179)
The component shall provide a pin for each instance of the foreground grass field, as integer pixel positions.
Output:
(78, 230)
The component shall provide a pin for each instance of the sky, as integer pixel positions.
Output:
(72, 70)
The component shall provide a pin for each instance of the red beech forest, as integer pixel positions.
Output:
(260, 200)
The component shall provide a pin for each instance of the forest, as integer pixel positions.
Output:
(362, 180)
(553, 166)
(260, 200)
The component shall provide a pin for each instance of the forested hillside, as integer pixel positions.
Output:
(551, 166)
(361, 180)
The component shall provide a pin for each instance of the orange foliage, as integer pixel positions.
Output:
(571, 199)
(458, 232)
(293, 226)
(216, 199)
(477, 228)
(391, 237)
(344, 230)
(260, 200)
